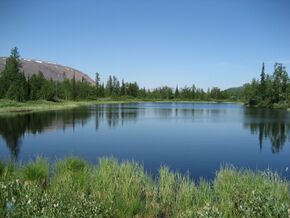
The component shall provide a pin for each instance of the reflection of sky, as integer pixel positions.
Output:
(4, 151)
(184, 137)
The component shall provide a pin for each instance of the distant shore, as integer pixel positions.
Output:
(12, 107)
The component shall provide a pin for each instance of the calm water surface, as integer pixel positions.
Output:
(198, 138)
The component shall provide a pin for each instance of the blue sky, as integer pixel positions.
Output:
(154, 42)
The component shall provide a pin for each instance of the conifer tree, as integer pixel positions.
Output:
(263, 83)
(97, 84)
(109, 86)
(13, 82)
(176, 93)
(123, 88)
(74, 87)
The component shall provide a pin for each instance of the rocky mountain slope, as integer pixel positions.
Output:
(50, 70)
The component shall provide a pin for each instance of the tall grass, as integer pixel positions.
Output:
(36, 171)
(72, 188)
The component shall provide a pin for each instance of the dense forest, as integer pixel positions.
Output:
(15, 86)
(268, 91)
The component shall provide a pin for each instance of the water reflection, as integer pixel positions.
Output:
(272, 125)
(114, 114)
(13, 128)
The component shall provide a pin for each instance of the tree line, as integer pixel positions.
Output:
(268, 91)
(271, 90)
(15, 86)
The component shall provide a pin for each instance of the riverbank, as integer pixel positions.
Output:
(72, 188)
(10, 107)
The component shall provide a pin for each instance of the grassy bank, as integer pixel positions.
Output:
(9, 107)
(72, 188)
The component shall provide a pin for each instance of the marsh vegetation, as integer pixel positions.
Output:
(72, 188)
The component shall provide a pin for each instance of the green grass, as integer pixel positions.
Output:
(72, 188)
(8, 107)
(36, 171)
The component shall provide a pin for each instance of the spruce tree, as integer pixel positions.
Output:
(176, 93)
(263, 83)
(98, 83)
(74, 87)
(115, 86)
(13, 82)
(123, 88)
(109, 86)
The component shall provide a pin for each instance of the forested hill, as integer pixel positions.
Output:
(50, 70)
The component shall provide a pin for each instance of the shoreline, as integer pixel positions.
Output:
(8, 107)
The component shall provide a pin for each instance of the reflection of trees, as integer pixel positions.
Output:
(163, 113)
(273, 125)
(116, 113)
(196, 113)
(12, 128)
(129, 113)
(99, 109)
(112, 115)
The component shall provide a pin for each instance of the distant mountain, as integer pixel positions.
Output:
(50, 70)
(235, 89)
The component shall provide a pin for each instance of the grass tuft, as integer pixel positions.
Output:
(248, 193)
(71, 164)
(36, 171)
(124, 189)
